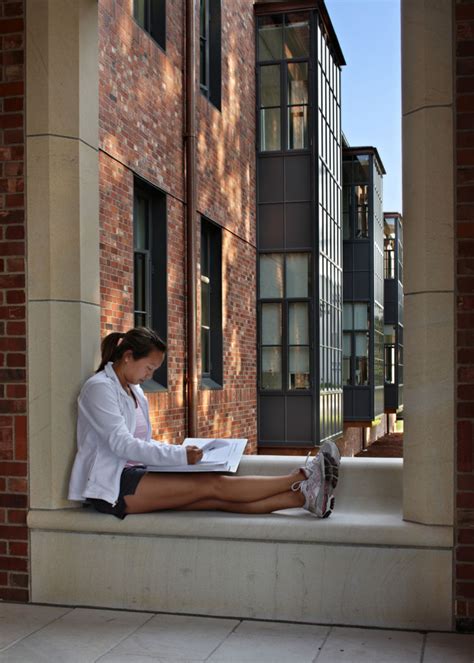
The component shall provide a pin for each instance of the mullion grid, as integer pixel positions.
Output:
(330, 243)
(283, 63)
(284, 302)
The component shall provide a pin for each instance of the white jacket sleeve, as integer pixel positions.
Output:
(98, 405)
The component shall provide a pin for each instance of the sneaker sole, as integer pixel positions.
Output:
(323, 500)
(330, 507)
(333, 457)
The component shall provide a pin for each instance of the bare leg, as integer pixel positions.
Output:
(156, 491)
(288, 500)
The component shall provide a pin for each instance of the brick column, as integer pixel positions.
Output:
(13, 451)
(464, 241)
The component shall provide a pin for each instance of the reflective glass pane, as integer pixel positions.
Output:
(271, 368)
(270, 85)
(361, 316)
(361, 359)
(389, 362)
(270, 140)
(346, 359)
(202, 63)
(297, 275)
(140, 281)
(298, 83)
(296, 35)
(389, 333)
(271, 324)
(139, 12)
(202, 17)
(271, 275)
(205, 354)
(205, 301)
(297, 127)
(270, 38)
(141, 223)
(347, 316)
(299, 377)
(298, 324)
(361, 169)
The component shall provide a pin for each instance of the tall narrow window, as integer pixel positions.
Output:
(356, 344)
(149, 268)
(210, 50)
(211, 305)
(151, 16)
(284, 293)
(389, 247)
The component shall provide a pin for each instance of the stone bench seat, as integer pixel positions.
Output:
(239, 565)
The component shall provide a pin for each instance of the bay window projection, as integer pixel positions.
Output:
(298, 228)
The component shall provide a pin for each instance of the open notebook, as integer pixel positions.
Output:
(220, 455)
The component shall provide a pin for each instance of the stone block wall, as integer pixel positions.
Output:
(13, 421)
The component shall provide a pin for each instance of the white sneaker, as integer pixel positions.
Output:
(331, 453)
(316, 489)
(333, 459)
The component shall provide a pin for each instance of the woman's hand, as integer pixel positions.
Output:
(193, 454)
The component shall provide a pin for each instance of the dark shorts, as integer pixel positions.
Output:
(131, 477)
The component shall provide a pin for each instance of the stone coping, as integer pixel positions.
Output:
(368, 512)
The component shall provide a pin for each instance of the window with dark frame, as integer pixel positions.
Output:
(283, 84)
(150, 269)
(211, 305)
(210, 50)
(151, 16)
(284, 295)
(356, 323)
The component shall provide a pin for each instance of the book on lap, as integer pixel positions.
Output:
(219, 455)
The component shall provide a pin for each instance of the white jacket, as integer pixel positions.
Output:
(105, 424)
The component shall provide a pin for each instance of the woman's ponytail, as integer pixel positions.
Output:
(140, 340)
(108, 348)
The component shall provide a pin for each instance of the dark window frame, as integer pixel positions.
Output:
(285, 302)
(211, 273)
(285, 106)
(154, 20)
(155, 256)
(210, 44)
(352, 332)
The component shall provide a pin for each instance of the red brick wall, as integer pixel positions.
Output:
(464, 241)
(141, 132)
(13, 449)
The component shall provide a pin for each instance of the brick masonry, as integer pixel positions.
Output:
(141, 121)
(13, 422)
(464, 251)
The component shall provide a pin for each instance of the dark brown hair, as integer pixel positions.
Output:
(140, 340)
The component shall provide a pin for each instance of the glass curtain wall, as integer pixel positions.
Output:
(363, 247)
(329, 191)
(393, 313)
(299, 232)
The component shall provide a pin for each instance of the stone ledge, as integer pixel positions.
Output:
(368, 512)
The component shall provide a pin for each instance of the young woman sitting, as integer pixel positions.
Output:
(115, 446)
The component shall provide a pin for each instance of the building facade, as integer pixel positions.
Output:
(393, 311)
(299, 227)
(363, 353)
(142, 179)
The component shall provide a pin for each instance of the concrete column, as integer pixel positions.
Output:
(427, 106)
(63, 232)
